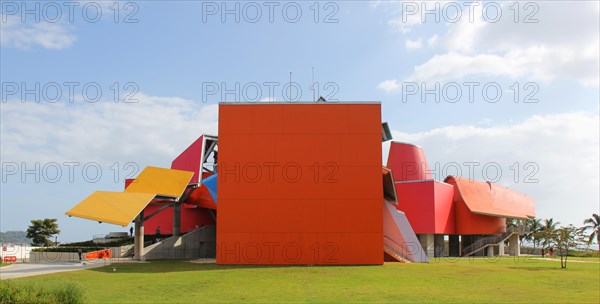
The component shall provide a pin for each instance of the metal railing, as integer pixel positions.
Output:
(392, 251)
(487, 241)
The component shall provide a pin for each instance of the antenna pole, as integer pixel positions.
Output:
(313, 82)
(290, 86)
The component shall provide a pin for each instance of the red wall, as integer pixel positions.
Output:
(190, 217)
(408, 162)
(468, 222)
(189, 159)
(445, 209)
(300, 184)
(427, 205)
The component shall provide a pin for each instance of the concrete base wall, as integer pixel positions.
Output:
(428, 244)
(200, 243)
(50, 257)
(438, 242)
(123, 251)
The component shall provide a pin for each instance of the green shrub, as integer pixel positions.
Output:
(584, 254)
(115, 243)
(16, 293)
(67, 249)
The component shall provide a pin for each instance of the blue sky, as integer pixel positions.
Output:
(175, 51)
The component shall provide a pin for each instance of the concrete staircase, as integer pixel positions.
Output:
(486, 242)
(389, 248)
(199, 243)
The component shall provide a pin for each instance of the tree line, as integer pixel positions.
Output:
(552, 237)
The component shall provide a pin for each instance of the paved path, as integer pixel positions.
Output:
(568, 260)
(20, 270)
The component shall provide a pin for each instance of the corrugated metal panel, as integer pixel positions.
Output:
(493, 200)
(119, 208)
(165, 182)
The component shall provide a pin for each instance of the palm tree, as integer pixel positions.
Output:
(594, 224)
(534, 226)
(550, 224)
(547, 231)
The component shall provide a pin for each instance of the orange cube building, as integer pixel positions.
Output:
(300, 184)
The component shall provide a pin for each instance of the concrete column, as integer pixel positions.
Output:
(513, 245)
(438, 244)
(501, 249)
(138, 241)
(427, 242)
(453, 246)
(177, 219)
(490, 251)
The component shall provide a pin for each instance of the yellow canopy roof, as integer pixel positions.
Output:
(165, 182)
(119, 208)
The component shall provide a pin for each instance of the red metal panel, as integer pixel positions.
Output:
(190, 159)
(488, 199)
(444, 208)
(507, 199)
(427, 205)
(416, 199)
(408, 162)
(128, 181)
(201, 198)
(192, 217)
(468, 222)
(300, 184)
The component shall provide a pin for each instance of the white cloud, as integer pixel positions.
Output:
(405, 24)
(156, 129)
(414, 44)
(563, 44)
(388, 85)
(432, 41)
(374, 3)
(564, 147)
(15, 34)
(410, 14)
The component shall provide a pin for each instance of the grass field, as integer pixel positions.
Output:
(453, 281)
(3, 264)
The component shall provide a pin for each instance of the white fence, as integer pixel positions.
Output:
(20, 251)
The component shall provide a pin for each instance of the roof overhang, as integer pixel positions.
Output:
(121, 208)
(490, 199)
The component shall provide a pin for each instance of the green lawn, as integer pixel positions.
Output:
(465, 280)
(3, 264)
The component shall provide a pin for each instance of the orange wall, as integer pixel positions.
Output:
(300, 184)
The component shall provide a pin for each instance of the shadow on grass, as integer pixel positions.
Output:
(536, 268)
(166, 266)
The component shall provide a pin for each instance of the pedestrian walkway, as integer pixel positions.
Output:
(20, 270)
(568, 260)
